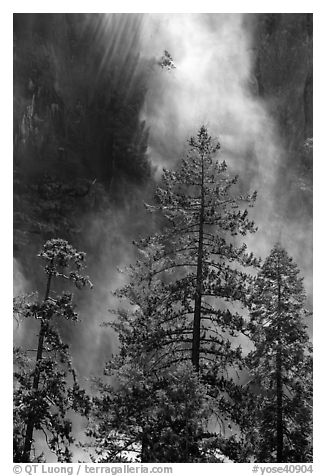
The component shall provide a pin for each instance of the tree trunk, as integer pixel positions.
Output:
(279, 385)
(199, 280)
(279, 405)
(31, 420)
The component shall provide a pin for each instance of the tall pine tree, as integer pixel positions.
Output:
(196, 259)
(178, 293)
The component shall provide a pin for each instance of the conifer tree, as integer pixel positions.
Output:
(280, 419)
(176, 302)
(196, 260)
(42, 395)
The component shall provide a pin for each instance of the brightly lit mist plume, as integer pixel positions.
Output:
(214, 84)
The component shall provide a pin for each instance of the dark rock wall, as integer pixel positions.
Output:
(79, 87)
(283, 53)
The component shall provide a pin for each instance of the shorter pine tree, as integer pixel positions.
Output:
(43, 395)
(279, 427)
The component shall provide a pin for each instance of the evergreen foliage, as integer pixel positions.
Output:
(196, 263)
(280, 365)
(43, 394)
(176, 313)
(149, 417)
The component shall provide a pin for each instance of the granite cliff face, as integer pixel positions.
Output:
(284, 80)
(79, 144)
(72, 95)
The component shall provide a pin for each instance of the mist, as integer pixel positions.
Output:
(214, 84)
